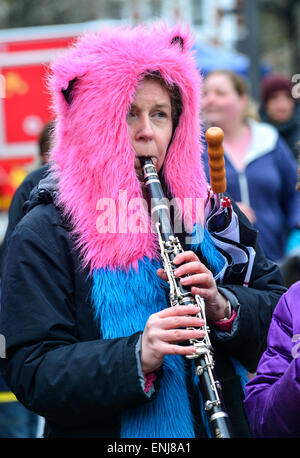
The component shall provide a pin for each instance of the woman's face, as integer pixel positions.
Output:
(150, 123)
(221, 102)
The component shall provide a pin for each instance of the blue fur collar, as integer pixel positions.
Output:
(122, 302)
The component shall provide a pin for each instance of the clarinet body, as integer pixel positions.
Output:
(179, 295)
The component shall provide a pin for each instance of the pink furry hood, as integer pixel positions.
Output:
(92, 156)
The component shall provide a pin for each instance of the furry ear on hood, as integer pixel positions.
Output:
(179, 40)
(67, 93)
(93, 85)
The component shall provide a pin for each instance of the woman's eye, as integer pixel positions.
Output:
(131, 115)
(160, 114)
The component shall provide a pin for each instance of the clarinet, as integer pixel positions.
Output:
(170, 246)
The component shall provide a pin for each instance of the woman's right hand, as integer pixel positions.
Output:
(163, 332)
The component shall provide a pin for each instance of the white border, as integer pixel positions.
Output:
(16, 150)
(29, 57)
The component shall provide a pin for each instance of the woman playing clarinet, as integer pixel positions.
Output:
(93, 342)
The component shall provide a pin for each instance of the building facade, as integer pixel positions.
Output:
(215, 21)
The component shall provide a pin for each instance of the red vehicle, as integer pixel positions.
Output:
(25, 54)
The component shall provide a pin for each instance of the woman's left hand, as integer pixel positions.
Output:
(201, 281)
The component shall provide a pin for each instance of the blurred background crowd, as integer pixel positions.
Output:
(248, 52)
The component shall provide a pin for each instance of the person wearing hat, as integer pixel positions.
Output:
(280, 108)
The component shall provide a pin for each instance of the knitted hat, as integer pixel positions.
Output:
(273, 83)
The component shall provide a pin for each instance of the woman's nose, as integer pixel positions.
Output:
(207, 99)
(144, 129)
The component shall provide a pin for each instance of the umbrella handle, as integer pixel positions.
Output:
(214, 137)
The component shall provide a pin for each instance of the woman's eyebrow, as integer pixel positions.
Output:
(157, 105)
(163, 106)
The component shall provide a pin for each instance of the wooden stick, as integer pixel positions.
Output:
(214, 137)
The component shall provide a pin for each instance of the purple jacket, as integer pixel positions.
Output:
(273, 396)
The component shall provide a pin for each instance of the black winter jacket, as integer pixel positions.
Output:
(57, 364)
(16, 213)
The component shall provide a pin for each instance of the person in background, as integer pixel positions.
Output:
(273, 395)
(290, 268)
(44, 142)
(15, 420)
(281, 109)
(16, 208)
(260, 169)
